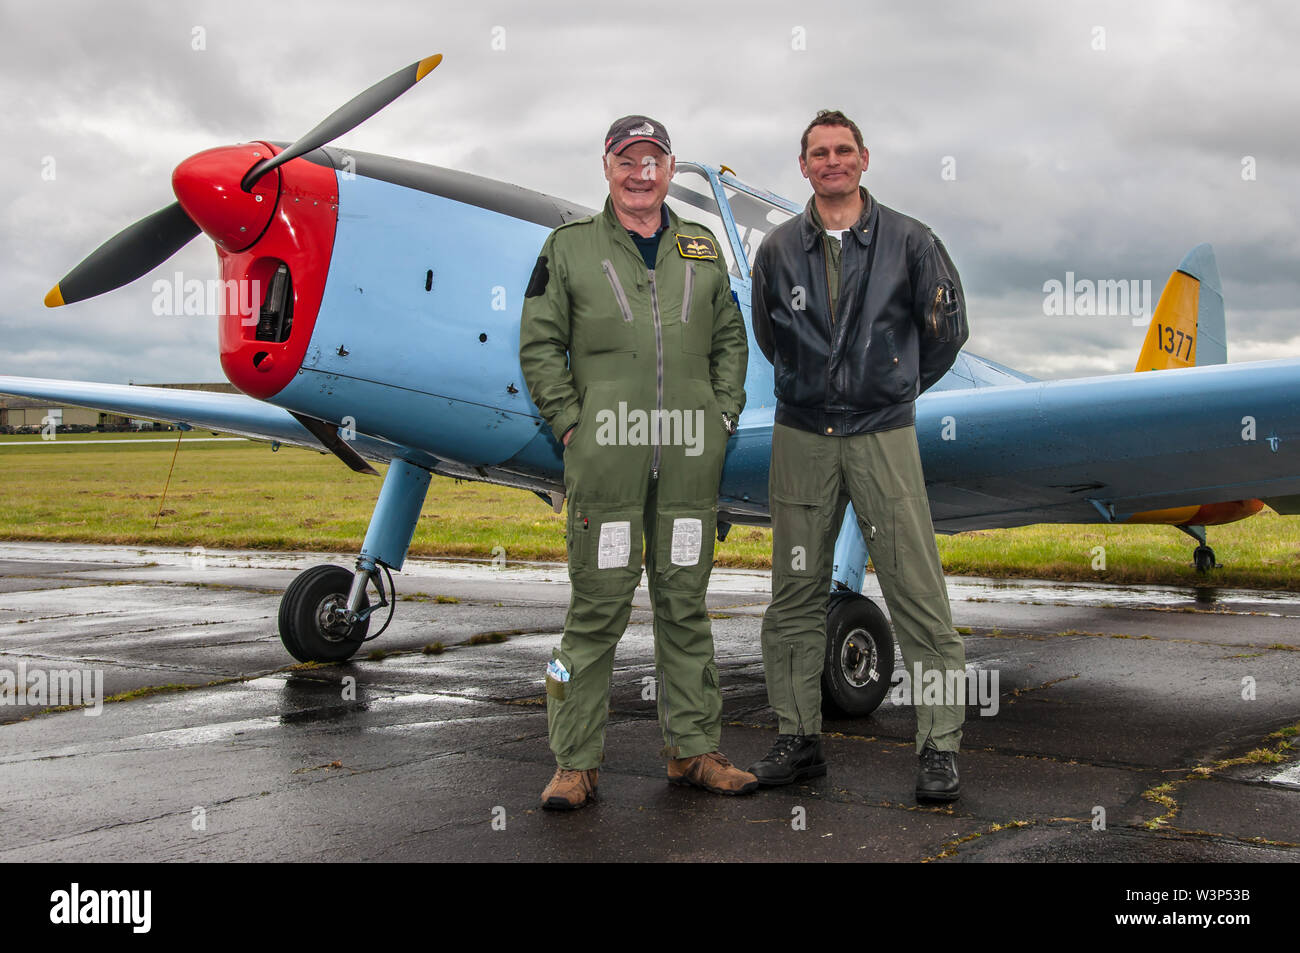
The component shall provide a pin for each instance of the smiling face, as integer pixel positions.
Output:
(833, 163)
(638, 179)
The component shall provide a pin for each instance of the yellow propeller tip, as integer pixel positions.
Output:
(426, 65)
(55, 298)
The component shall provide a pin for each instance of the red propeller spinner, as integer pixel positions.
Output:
(274, 231)
(207, 185)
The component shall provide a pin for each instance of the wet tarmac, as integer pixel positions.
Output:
(1129, 725)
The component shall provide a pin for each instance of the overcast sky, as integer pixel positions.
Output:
(1104, 139)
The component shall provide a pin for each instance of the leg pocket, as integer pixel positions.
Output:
(605, 546)
(558, 675)
(799, 529)
(915, 555)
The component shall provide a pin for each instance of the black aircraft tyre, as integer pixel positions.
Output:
(304, 627)
(859, 656)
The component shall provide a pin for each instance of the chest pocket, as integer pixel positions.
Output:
(606, 325)
(697, 313)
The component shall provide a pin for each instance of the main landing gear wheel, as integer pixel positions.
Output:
(859, 656)
(1203, 557)
(311, 623)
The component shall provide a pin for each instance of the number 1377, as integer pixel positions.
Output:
(1169, 345)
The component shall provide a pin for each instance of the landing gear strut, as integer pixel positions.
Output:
(325, 612)
(1202, 555)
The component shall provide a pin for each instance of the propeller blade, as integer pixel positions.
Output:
(353, 113)
(132, 252)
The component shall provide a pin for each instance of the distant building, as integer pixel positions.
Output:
(17, 412)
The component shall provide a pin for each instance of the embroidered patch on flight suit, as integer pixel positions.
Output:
(537, 283)
(688, 535)
(615, 546)
(692, 246)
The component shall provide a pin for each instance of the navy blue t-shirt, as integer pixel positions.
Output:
(650, 246)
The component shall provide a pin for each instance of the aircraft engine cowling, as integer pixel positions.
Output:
(274, 244)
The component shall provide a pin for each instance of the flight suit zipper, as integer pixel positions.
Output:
(619, 295)
(663, 697)
(659, 375)
(686, 294)
(794, 694)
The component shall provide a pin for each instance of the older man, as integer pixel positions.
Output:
(860, 309)
(634, 351)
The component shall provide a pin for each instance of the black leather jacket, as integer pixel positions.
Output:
(898, 323)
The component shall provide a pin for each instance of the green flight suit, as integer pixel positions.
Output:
(645, 363)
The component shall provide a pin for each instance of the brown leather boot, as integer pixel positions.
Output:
(713, 772)
(569, 789)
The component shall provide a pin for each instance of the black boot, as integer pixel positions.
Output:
(936, 778)
(792, 758)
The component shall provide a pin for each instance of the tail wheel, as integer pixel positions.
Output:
(1203, 557)
(311, 627)
(859, 656)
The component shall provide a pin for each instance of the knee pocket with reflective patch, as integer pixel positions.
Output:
(683, 556)
(604, 547)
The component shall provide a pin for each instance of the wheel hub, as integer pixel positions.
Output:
(858, 660)
(332, 617)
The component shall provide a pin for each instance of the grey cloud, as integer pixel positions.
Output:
(1111, 164)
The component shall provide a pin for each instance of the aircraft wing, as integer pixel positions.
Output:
(1076, 451)
(1105, 448)
(229, 413)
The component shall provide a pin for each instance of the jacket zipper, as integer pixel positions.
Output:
(830, 353)
(686, 295)
(659, 375)
(619, 294)
(934, 311)
(826, 260)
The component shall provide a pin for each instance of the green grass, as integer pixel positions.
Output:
(1262, 552)
(244, 496)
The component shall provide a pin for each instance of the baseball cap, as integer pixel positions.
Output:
(624, 132)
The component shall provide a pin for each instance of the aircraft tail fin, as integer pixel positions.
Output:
(1188, 327)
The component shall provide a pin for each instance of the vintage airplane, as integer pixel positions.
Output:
(389, 331)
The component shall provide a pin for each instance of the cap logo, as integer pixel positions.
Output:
(645, 129)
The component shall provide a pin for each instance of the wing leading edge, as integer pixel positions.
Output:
(229, 413)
